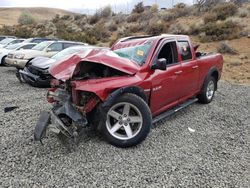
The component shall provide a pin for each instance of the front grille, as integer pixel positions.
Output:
(38, 72)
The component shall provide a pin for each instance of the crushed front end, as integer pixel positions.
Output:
(67, 115)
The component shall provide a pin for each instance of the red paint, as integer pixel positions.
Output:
(164, 88)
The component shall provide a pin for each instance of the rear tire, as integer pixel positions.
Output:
(127, 121)
(208, 90)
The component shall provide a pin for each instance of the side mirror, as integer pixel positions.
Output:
(161, 64)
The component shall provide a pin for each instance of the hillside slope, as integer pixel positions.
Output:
(9, 16)
(225, 23)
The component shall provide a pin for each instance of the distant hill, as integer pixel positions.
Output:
(9, 16)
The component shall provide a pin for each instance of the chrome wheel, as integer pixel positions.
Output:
(124, 121)
(210, 90)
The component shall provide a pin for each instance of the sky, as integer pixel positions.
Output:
(85, 5)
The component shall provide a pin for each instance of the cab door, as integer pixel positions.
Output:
(165, 90)
(189, 74)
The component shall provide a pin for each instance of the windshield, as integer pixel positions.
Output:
(28, 40)
(67, 52)
(137, 54)
(6, 41)
(41, 46)
(14, 46)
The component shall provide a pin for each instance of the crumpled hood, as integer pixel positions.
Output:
(42, 62)
(63, 70)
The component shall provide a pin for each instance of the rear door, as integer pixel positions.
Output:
(189, 74)
(165, 84)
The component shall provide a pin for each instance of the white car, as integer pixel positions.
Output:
(13, 47)
(20, 58)
(8, 41)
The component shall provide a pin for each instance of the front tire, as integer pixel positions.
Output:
(127, 121)
(208, 90)
(3, 63)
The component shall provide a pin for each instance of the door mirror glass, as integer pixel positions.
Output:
(161, 64)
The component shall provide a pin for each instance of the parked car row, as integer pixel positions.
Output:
(22, 53)
(36, 72)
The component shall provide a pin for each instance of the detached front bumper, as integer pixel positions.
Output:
(41, 126)
(52, 120)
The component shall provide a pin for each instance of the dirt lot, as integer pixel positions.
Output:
(217, 154)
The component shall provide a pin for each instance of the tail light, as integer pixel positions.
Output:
(50, 95)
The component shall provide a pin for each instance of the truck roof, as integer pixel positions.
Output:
(139, 40)
(145, 37)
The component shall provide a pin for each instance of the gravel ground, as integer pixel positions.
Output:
(217, 154)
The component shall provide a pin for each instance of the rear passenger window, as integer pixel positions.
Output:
(186, 53)
(56, 47)
(28, 46)
(66, 45)
(37, 40)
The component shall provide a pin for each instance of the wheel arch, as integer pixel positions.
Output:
(213, 72)
(29, 61)
(129, 89)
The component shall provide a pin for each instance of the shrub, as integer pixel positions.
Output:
(156, 28)
(100, 32)
(133, 17)
(106, 11)
(154, 8)
(194, 29)
(167, 16)
(225, 10)
(180, 10)
(25, 19)
(205, 5)
(139, 8)
(56, 18)
(210, 17)
(220, 31)
(66, 17)
(94, 19)
(243, 13)
(134, 28)
(220, 12)
(80, 16)
(178, 29)
(225, 48)
(112, 26)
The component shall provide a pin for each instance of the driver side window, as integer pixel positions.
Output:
(169, 52)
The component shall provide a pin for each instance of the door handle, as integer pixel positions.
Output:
(178, 72)
(195, 67)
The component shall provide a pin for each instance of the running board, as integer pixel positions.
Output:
(174, 110)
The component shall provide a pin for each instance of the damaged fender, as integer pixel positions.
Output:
(117, 93)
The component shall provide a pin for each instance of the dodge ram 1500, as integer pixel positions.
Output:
(122, 91)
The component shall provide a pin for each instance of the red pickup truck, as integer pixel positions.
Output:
(122, 91)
